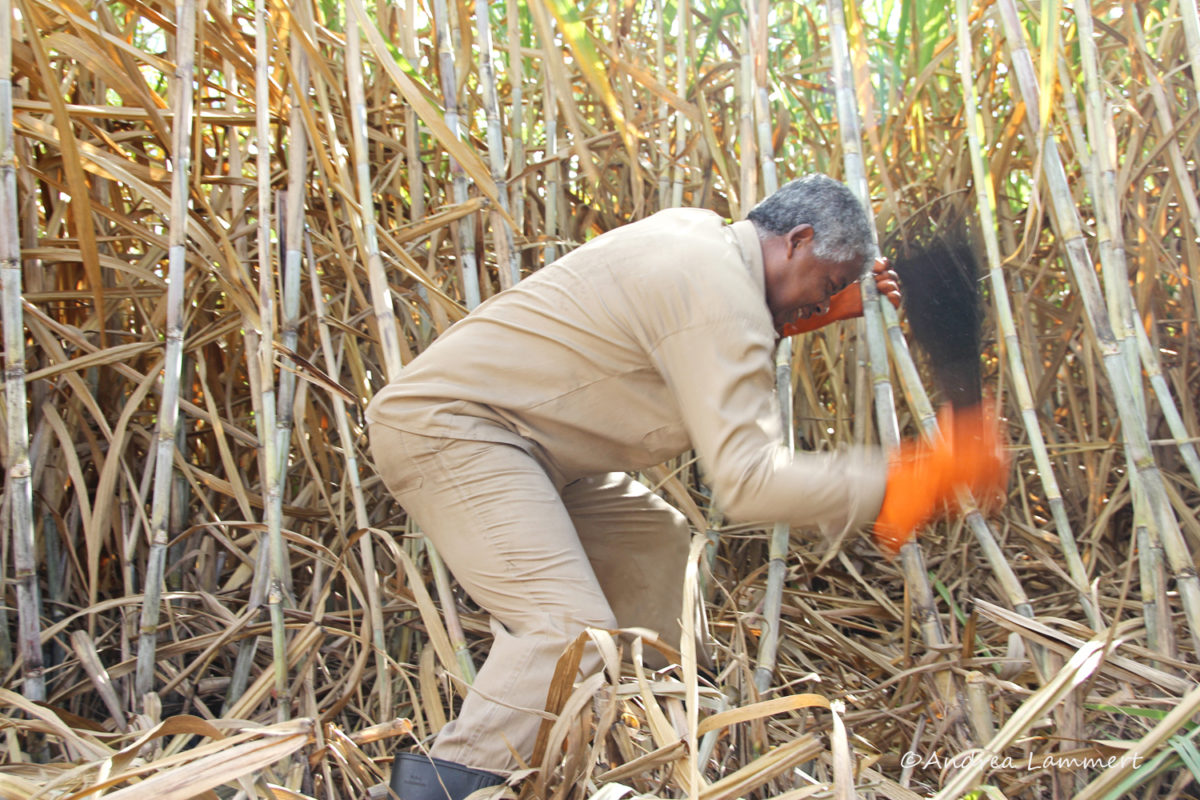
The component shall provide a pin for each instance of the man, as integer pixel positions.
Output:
(510, 438)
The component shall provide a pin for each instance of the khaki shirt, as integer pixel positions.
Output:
(647, 341)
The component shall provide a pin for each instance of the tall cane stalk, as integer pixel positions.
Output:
(1131, 336)
(1164, 527)
(662, 153)
(466, 226)
(293, 218)
(553, 170)
(381, 293)
(516, 81)
(748, 175)
(986, 207)
(168, 413)
(876, 315)
(683, 19)
(777, 547)
(1191, 31)
(29, 606)
(912, 563)
(508, 266)
(361, 520)
(414, 164)
(271, 557)
(1181, 171)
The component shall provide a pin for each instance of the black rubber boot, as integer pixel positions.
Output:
(420, 777)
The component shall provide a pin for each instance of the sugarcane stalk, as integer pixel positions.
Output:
(292, 216)
(553, 169)
(1100, 172)
(662, 152)
(180, 488)
(380, 291)
(269, 463)
(413, 163)
(516, 81)
(381, 298)
(683, 19)
(1096, 157)
(985, 199)
(748, 175)
(1181, 172)
(449, 82)
(24, 552)
(1166, 400)
(1164, 527)
(508, 266)
(762, 103)
(911, 561)
(777, 548)
(271, 568)
(168, 409)
(361, 519)
(877, 314)
(168, 413)
(1112, 246)
(1191, 30)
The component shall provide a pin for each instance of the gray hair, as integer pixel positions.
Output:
(841, 228)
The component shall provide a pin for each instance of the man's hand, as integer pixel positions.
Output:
(886, 281)
(847, 303)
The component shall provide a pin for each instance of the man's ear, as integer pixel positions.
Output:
(798, 236)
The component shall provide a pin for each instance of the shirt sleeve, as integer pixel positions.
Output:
(721, 376)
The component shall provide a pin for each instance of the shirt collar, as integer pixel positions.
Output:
(746, 235)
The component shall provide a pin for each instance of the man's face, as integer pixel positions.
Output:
(803, 287)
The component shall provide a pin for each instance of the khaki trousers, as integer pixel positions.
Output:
(545, 560)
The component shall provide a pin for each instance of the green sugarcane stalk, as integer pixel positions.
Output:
(29, 606)
(168, 414)
(1164, 527)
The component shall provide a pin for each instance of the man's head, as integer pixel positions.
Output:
(816, 240)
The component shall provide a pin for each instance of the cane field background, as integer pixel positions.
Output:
(226, 224)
